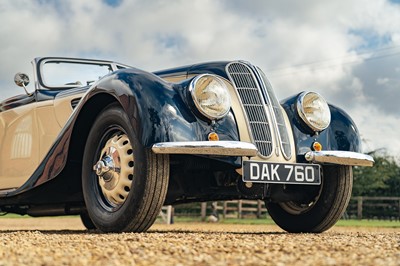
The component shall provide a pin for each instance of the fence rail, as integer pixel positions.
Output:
(386, 208)
(237, 209)
(382, 208)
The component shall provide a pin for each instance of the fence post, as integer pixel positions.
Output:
(203, 211)
(259, 203)
(169, 214)
(359, 207)
(224, 209)
(240, 209)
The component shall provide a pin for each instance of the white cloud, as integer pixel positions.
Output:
(382, 81)
(378, 130)
(301, 46)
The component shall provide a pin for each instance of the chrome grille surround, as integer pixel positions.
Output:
(250, 95)
(258, 98)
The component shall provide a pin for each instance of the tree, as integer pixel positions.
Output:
(383, 179)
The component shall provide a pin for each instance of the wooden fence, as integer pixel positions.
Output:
(383, 208)
(236, 209)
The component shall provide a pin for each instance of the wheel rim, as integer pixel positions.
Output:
(114, 169)
(297, 208)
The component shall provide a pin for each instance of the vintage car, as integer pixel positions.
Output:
(113, 144)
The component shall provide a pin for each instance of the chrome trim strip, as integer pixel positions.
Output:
(340, 157)
(226, 148)
(6, 192)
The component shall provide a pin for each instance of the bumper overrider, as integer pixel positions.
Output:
(238, 148)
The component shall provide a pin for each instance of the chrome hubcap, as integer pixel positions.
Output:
(105, 168)
(115, 169)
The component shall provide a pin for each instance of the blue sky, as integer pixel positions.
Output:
(348, 51)
(113, 3)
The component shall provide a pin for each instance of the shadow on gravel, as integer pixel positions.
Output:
(58, 232)
(179, 232)
(214, 232)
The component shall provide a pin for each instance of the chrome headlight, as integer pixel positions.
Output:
(211, 96)
(314, 110)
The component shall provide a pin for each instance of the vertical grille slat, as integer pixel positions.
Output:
(253, 104)
(282, 131)
(257, 97)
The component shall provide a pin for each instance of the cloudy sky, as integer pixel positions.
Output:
(348, 51)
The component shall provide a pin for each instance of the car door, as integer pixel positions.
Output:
(19, 141)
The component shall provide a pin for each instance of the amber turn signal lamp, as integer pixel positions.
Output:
(213, 136)
(317, 146)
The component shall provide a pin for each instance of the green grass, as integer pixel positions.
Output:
(269, 221)
(248, 221)
(369, 223)
(13, 215)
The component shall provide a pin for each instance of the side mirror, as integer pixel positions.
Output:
(22, 80)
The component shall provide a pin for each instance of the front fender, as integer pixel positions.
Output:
(341, 135)
(160, 111)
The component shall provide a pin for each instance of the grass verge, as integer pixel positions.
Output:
(268, 221)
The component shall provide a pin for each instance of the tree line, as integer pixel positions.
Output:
(383, 179)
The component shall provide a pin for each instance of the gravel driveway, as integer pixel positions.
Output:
(53, 241)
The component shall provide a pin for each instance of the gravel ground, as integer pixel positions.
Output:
(52, 241)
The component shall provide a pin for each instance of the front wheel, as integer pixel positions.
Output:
(124, 184)
(323, 211)
(87, 222)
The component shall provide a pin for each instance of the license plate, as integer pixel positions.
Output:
(281, 173)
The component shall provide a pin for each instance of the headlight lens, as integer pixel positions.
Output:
(211, 96)
(314, 110)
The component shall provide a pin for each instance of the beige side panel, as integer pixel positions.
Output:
(291, 136)
(2, 128)
(48, 128)
(63, 108)
(26, 136)
(239, 113)
(19, 146)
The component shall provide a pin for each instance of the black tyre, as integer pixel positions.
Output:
(87, 222)
(323, 211)
(124, 185)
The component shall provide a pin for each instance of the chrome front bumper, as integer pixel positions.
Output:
(238, 148)
(223, 148)
(340, 157)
